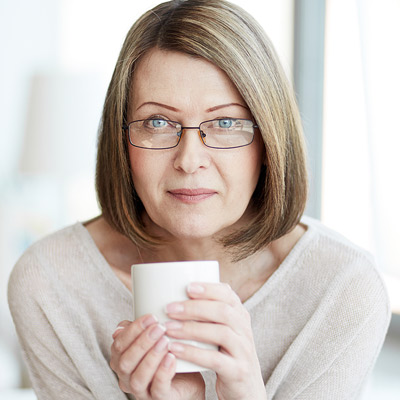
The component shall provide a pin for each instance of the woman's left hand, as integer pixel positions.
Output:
(214, 314)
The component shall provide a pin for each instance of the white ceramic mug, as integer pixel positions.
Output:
(157, 284)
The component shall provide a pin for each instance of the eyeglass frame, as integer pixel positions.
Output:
(126, 128)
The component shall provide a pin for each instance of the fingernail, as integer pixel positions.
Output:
(156, 332)
(175, 347)
(150, 320)
(168, 360)
(161, 345)
(174, 308)
(195, 288)
(117, 330)
(173, 325)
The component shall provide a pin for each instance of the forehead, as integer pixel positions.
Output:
(168, 76)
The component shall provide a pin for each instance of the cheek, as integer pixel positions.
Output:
(241, 177)
(140, 164)
(135, 158)
(135, 162)
(251, 165)
(257, 158)
(149, 170)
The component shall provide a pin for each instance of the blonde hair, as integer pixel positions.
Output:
(231, 39)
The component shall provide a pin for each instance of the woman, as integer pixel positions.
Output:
(200, 156)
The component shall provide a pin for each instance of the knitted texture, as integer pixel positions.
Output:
(319, 321)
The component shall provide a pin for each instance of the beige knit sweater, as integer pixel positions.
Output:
(319, 322)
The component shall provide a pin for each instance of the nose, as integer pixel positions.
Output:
(191, 154)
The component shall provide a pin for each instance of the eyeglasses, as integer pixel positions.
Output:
(160, 134)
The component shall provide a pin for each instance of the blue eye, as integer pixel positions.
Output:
(158, 123)
(225, 123)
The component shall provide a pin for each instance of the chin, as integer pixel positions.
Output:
(201, 231)
(187, 229)
(194, 233)
(192, 226)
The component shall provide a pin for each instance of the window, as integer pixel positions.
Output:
(361, 159)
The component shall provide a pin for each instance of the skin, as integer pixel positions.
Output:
(190, 90)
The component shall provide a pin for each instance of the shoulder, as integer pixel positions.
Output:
(341, 271)
(328, 247)
(48, 260)
(330, 312)
(58, 246)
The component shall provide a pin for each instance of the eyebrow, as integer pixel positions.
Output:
(153, 103)
(224, 106)
(215, 108)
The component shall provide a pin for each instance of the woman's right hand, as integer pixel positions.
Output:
(145, 368)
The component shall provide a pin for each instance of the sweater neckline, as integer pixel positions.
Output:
(286, 266)
(101, 263)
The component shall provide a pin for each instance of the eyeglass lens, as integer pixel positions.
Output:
(163, 134)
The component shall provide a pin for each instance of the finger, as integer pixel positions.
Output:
(211, 359)
(216, 334)
(127, 331)
(133, 355)
(118, 329)
(213, 291)
(143, 375)
(211, 311)
(162, 379)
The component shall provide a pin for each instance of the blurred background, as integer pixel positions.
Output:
(57, 57)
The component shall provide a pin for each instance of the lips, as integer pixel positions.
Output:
(192, 195)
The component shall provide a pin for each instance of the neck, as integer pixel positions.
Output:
(189, 250)
(245, 276)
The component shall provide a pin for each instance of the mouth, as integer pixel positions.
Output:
(192, 196)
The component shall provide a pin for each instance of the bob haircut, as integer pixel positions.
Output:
(231, 39)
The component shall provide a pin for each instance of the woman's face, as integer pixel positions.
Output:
(191, 191)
